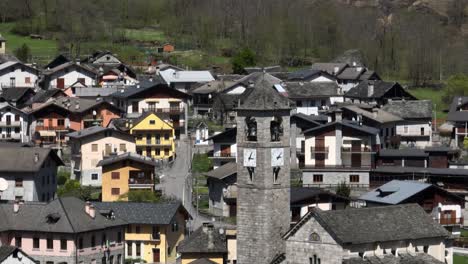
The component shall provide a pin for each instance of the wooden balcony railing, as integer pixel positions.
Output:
(171, 110)
(224, 155)
(140, 181)
(450, 221)
(361, 150)
(319, 149)
(50, 128)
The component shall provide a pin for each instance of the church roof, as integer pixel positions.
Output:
(264, 96)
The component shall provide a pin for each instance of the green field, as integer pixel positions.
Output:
(39, 48)
(145, 35)
(435, 96)
(459, 259)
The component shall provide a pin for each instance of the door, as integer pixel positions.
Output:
(356, 154)
(60, 83)
(320, 152)
(233, 210)
(8, 120)
(156, 255)
(225, 150)
(134, 107)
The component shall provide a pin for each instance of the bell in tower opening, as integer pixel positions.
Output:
(251, 125)
(276, 129)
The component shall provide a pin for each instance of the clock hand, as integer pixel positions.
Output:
(250, 157)
(279, 157)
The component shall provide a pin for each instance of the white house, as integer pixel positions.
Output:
(14, 255)
(224, 147)
(185, 80)
(13, 124)
(67, 74)
(17, 74)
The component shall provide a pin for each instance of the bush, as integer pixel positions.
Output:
(23, 53)
(201, 163)
(74, 189)
(245, 58)
(62, 177)
(141, 196)
(343, 190)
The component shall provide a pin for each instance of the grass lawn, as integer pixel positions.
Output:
(145, 35)
(435, 96)
(39, 48)
(464, 233)
(459, 259)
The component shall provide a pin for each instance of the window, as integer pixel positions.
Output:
(129, 229)
(137, 229)
(94, 147)
(129, 249)
(152, 122)
(104, 240)
(12, 81)
(156, 233)
(298, 103)
(36, 243)
(27, 80)
(19, 182)
(18, 242)
(422, 131)
(119, 237)
(93, 241)
(17, 117)
(175, 226)
(17, 130)
(354, 178)
(318, 178)
(61, 122)
(166, 136)
(138, 249)
(115, 191)
(314, 237)
(63, 244)
(166, 151)
(50, 243)
(314, 260)
(123, 148)
(40, 122)
(115, 175)
(158, 152)
(80, 243)
(405, 129)
(94, 176)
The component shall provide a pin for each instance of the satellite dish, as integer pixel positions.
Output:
(3, 184)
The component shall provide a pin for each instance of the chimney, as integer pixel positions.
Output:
(251, 84)
(16, 206)
(375, 112)
(36, 157)
(77, 105)
(354, 63)
(338, 115)
(92, 211)
(87, 206)
(208, 229)
(370, 89)
(358, 69)
(336, 70)
(157, 70)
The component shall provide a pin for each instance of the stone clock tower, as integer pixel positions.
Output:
(263, 174)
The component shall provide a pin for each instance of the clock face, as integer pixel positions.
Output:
(250, 157)
(277, 157)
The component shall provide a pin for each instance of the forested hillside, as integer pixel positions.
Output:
(418, 41)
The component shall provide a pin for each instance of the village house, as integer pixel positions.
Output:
(459, 119)
(2, 45)
(92, 144)
(208, 244)
(203, 96)
(66, 74)
(18, 96)
(416, 129)
(169, 104)
(310, 75)
(154, 230)
(17, 74)
(185, 81)
(339, 151)
(102, 58)
(44, 96)
(14, 255)
(313, 98)
(444, 207)
(126, 172)
(65, 230)
(430, 157)
(224, 147)
(343, 236)
(51, 121)
(30, 173)
(222, 190)
(377, 93)
(13, 124)
(300, 123)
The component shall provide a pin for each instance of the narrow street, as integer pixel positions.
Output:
(177, 181)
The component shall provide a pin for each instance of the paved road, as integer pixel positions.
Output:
(177, 181)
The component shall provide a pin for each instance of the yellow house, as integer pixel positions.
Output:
(207, 243)
(125, 172)
(154, 230)
(154, 136)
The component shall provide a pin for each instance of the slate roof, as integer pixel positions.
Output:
(407, 152)
(70, 64)
(94, 91)
(264, 96)
(198, 242)
(202, 261)
(172, 76)
(270, 69)
(395, 192)
(33, 216)
(351, 73)
(15, 93)
(419, 170)
(417, 258)
(10, 63)
(21, 159)
(134, 91)
(347, 123)
(358, 226)
(454, 114)
(7, 57)
(414, 109)
(144, 213)
(299, 90)
(126, 156)
(69, 104)
(381, 117)
(227, 135)
(59, 60)
(299, 194)
(362, 90)
(43, 95)
(212, 87)
(306, 74)
(311, 119)
(223, 171)
(96, 130)
(6, 251)
(329, 67)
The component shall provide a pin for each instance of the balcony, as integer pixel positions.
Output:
(170, 110)
(336, 185)
(155, 143)
(91, 118)
(51, 128)
(319, 149)
(449, 221)
(140, 183)
(365, 150)
(220, 155)
(362, 167)
(16, 136)
(10, 124)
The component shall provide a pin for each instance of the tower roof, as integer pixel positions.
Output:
(264, 96)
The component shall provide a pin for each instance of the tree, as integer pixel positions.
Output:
(244, 58)
(23, 53)
(457, 85)
(343, 190)
(141, 196)
(74, 189)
